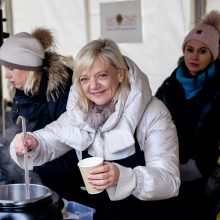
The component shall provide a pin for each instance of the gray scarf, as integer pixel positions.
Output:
(98, 115)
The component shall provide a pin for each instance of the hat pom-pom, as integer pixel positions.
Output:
(213, 19)
(45, 37)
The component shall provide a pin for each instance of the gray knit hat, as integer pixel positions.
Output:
(22, 51)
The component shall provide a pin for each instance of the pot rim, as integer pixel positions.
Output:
(16, 203)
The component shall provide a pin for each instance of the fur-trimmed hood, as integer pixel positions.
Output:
(57, 67)
(59, 70)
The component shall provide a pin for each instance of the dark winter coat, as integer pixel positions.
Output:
(37, 109)
(213, 189)
(197, 120)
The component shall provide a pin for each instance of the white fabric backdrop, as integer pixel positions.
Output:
(164, 25)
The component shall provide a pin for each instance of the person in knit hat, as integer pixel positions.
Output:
(40, 79)
(192, 95)
(207, 31)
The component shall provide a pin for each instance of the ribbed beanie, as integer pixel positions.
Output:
(22, 51)
(208, 32)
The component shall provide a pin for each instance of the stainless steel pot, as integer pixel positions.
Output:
(15, 194)
(42, 204)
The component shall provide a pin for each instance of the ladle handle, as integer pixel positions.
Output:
(26, 170)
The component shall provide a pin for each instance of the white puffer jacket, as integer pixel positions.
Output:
(140, 111)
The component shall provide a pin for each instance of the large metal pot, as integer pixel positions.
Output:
(43, 203)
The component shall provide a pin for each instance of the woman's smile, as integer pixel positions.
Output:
(98, 94)
(100, 83)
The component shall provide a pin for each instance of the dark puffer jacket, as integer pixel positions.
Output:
(213, 190)
(197, 120)
(37, 109)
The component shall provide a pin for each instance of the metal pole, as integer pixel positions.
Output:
(2, 122)
(7, 5)
(8, 13)
(200, 9)
(87, 19)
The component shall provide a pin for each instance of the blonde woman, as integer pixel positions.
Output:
(111, 113)
(41, 81)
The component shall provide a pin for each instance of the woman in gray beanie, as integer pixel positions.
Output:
(192, 95)
(41, 80)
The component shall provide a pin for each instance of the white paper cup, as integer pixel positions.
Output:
(85, 166)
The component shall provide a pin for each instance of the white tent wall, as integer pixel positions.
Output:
(163, 28)
(75, 22)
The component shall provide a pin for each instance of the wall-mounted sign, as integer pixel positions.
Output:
(121, 21)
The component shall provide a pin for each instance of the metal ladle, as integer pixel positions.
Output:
(22, 119)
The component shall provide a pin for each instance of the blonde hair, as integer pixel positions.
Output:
(109, 53)
(32, 83)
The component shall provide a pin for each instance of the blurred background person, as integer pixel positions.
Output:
(192, 95)
(40, 80)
